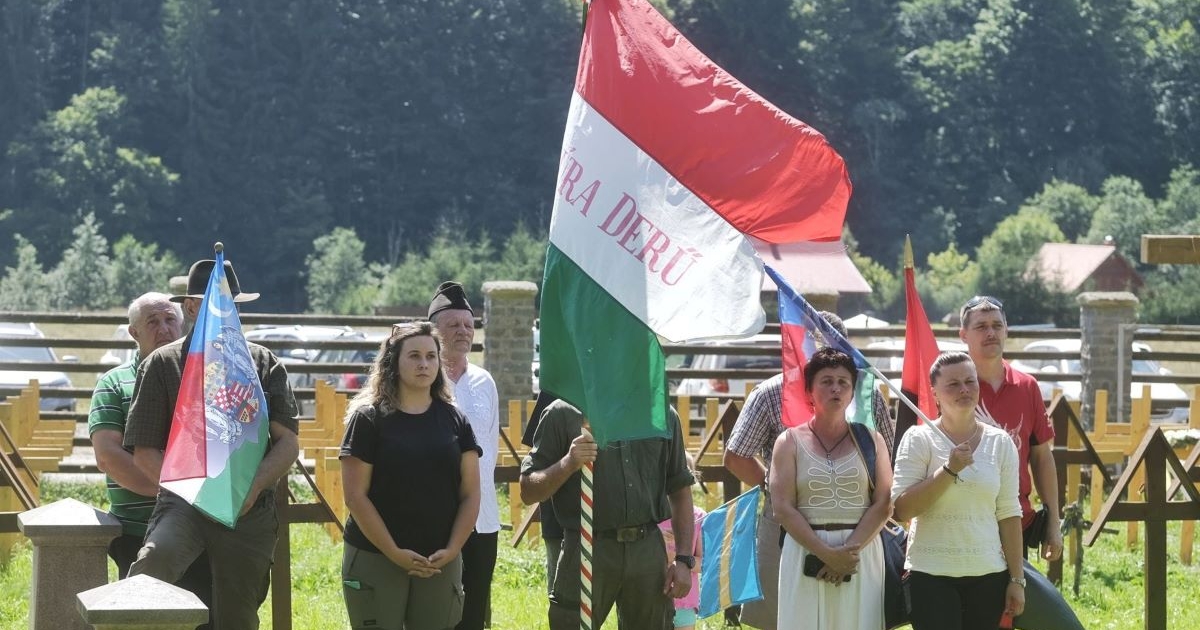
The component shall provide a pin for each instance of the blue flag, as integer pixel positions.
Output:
(798, 323)
(729, 569)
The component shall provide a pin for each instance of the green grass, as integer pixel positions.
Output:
(1111, 596)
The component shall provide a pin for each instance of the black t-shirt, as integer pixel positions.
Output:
(416, 472)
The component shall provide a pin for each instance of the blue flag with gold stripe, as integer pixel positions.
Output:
(729, 569)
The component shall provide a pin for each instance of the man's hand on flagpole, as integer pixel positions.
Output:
(583, 451)
(679, 580)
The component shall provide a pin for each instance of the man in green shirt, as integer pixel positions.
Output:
(154, 321)
(637, 484)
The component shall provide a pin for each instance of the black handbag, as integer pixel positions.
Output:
(893, 536)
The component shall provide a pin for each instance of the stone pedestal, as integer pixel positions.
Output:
(508, 314)
(70, 554)
(141, 602)
(1101, 315)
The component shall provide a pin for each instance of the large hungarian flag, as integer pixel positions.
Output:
(219, 431)
(668, 162)
(920, 351)
(800, 325)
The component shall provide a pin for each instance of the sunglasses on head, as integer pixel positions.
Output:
(980, 300)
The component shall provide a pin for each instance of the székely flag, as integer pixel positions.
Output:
(799, 325)
(668, 162)
(920, 351)
(220, 430)
(729, 566)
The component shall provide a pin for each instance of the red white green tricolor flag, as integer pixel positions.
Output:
(219, 431)
(668, 162)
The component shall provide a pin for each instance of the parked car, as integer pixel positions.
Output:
(117, 356)
(709, 386)
(40, 354)
(345, 380)
(896, 363)
(298, 333)
(1173, 400)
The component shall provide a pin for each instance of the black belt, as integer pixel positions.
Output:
(626, 534)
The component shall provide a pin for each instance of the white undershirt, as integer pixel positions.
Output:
(475, 395)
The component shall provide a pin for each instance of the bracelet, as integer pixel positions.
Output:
(946, 467)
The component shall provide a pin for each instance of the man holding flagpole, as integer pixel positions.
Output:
(164, 406)
(638, 484)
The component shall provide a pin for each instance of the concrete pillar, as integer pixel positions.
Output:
(1101, 315)
(508, 314)
(70, 554)
(143, 603)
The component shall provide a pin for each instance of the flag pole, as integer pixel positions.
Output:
(586, 498)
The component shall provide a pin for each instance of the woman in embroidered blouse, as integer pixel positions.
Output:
(821, 497)
(958, 483)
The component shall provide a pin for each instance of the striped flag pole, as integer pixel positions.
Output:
(585, 548)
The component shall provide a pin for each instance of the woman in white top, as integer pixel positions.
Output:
(958, 484)
(820, 495)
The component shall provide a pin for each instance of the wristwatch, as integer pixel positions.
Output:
(1017, 580)
(688, 561)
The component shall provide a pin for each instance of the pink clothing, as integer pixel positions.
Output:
(692, 599)
(1020, 411)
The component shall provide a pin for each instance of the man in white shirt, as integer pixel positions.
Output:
(475, 395)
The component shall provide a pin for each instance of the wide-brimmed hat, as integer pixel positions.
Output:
(449, 295)
(198, 281)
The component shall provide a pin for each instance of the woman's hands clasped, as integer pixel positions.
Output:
(840, 561)
(417, 565)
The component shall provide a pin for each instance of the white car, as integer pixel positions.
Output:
(117, 356)
(40, 354)
(895, 363)
(709, 386)
(1168, 394)
(297, 333)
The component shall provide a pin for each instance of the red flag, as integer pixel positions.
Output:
(920, 351)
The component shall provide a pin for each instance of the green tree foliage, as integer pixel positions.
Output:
(78, 166)
(1068, 205)
(137, 268)
(81, 279)
(339, 280)
(1005, 269)
(1123, 214)
(453, 255)
(25, 287)
(950, 279)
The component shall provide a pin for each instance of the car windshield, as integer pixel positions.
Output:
(19, 353)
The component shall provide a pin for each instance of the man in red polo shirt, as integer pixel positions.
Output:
(1011, 400)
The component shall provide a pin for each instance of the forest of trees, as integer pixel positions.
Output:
(326, 141)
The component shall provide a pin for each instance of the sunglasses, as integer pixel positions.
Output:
(976, 302)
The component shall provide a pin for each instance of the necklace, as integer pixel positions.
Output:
(969, 438)
(829, 451)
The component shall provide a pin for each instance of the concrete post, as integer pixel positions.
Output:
(508, 314)
(70, 554)
(1101, 315)
(141, 602)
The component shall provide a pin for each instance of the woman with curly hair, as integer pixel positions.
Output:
(410, 475)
